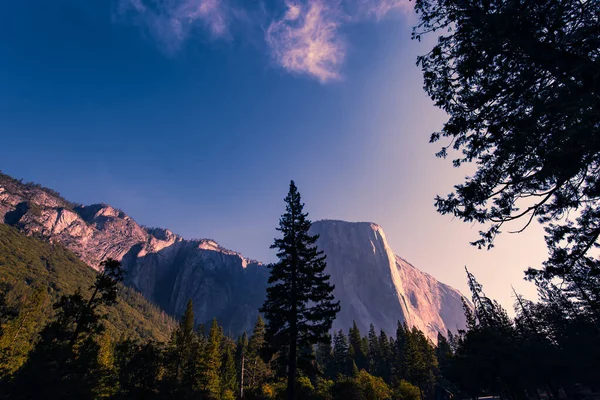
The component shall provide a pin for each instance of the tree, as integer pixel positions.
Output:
(443, 352)
(181, 347)
(300, 306)
(65, 360)
(486, 312)
(256, 369)
(212, 360)
(19, 332)
(325, 359)
(240, 359)
(363, 386)
(357, 350)
(420, 360)
(405, 391)
(521, 84)
(341, 356)
(139, 369)
(228, 369)
(384, 364)
(399, 364)
(374, 352)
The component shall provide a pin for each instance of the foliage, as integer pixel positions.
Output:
(405, 391)
(67, 360)
(550, 347)
(363, 386)
(521, 85)
(27, 263)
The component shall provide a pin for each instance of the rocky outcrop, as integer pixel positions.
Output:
(372, 283)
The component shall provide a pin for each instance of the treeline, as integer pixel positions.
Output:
(551, 348)
(73, 357)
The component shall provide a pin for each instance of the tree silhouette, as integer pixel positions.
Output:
(521, 84)
(300, 306)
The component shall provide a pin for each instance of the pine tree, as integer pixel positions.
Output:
(139, 369)
(228, 369)
(257, 371)
(443, 352)
(420, 360)
(325, 359)
(384, 365)
(181, 346)
(399, 364)
(300, 306)
(211, 371)
(373, 352)
(241, 352)
(357, 349)
(341, 356)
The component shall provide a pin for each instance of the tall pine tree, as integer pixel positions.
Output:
(300, 306)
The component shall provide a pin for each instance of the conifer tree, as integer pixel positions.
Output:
(300, 306)
(341, 357)
(241, 352)
(257, 370)
(228, 369)
(420, 360)
(374, 353)
(443, 351)
(386, 355)
(181, 346)
(399, 365)
(139, 369)
(357, 349)
(325, 359)
(211, 371)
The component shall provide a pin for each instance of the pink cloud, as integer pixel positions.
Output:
(306, 40)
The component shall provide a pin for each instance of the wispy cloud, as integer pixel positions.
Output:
(306, 40)
(381, 8)
(172, 22)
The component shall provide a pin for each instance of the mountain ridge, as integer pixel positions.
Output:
(169, 269)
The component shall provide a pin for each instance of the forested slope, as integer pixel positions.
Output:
(28, 263)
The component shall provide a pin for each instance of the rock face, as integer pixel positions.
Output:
(163, 266)
(373, 285)
(376, 286)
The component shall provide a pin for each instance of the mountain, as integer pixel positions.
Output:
(376, 286)
(164, 267)
(372, 283)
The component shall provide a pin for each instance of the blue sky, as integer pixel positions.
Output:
(195, 114)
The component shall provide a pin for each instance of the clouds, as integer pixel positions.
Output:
(304, 37)
(381, 8)
(305, 40)
(172, 22)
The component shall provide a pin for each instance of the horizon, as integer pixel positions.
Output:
(189, 126)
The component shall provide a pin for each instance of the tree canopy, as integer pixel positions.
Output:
(520, 81)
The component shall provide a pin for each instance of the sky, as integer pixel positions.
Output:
(194, 115)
